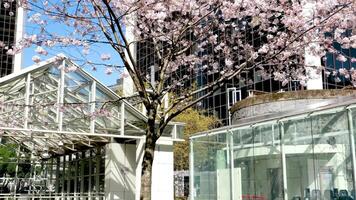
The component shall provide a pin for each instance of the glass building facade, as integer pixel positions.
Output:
(219, 103)
(7, 36)
(331, 78)
(305, 156)
(247, 83)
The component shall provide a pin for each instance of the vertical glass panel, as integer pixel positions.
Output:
(133, 124)
(298, 149)
(257, 162)
(86, 166)
(332, 156)
(93, 185)
(106, 113)
(267, 162)
(86, 184)
(101, 183)
(12, 96)
(352, 119)
(180, 132)
(102, 164)
(318, 157)
(211, 167)
(44, 90)
(244, 161)
(79, 183)
(76, 113)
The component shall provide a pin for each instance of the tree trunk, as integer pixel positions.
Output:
(146, 174)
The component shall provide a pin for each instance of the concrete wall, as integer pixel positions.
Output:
(163, 172)
(274, 107)
(123, 171)
(120, 171)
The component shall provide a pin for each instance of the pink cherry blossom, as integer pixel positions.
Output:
(36, 59)
(125, 75)
(217, 39)
(341, 58)
(41, 51)
(108, 70)
(6, 5)
(105, 56)
(10, 52)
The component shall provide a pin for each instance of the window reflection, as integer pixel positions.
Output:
(306, 158)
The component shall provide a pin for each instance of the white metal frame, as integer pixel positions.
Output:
(234, 100)
(24, 95)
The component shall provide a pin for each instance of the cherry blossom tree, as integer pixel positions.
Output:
(215, 37)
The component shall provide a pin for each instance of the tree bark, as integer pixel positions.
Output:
(147, 162)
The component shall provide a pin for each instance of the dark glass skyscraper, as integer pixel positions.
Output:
(219, 103)
(8, 23)
(250, 82)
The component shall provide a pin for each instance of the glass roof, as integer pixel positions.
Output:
(55, 107)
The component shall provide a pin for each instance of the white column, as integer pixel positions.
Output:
(20, 17)
(27, 99)
(140, 144)
(122, 118)
(191, 170)
(284, 165)
(123, 170)
(163, 171)
(128, 87)
(232, 167)
(315, 80)
(92, 105)
(312, 62)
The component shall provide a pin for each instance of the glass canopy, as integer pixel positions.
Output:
(55, 106)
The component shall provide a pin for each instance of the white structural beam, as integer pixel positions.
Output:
(191, 170)
(60, 98)
(27, 100)
(34, 131)
(284, 164)
(122, 118)
(232, 167)
(92, 105)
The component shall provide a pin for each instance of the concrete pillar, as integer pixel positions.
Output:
(123, 171)
(312, 62)
(120, 171)
(163, 171)
(20, 19)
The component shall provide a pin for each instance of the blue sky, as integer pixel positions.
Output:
(99, 73)
(73, 52)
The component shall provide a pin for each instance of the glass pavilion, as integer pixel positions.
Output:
(306, 154)
(63, 120)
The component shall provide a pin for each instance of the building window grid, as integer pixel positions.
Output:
(7, 35)
(253, 81)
